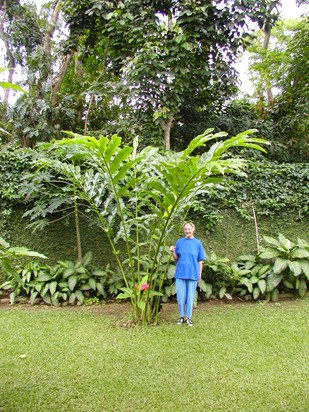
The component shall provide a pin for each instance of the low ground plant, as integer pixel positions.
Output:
(290, 265)
(66, 281)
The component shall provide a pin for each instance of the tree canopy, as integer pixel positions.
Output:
(160, 70)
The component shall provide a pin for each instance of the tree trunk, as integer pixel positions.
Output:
(87, 114)
(9, 55)
(46, 73)
(269, 93)
(167, 132)
(66, 60)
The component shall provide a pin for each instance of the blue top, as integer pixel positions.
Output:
(190, 252)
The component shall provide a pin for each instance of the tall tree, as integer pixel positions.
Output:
(19, 33)
(287, 66)
(33, 42)
(167, 52)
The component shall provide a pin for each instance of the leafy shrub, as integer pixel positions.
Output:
(280, 266)
(253, 276)
(8, 254)
(217, 277)
(64, 282)
(14, 162)
(290, 265)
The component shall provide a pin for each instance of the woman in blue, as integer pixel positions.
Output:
(189, 254)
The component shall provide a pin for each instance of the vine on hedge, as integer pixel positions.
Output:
(267, 186)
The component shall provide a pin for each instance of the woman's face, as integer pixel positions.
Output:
(188, 231)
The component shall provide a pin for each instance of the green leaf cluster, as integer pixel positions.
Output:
(281, 266)
(67, 281)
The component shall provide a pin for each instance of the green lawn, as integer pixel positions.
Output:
(244, 357)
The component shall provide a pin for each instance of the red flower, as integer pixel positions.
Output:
(144, 286)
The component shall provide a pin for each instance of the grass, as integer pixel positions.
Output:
(245, 357)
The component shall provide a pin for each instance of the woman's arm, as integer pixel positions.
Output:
(201, 269)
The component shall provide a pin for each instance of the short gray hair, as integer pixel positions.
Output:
(189, 223)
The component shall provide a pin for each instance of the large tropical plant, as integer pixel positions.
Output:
(140, 197)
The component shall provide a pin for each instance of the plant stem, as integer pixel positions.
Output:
(256, 230)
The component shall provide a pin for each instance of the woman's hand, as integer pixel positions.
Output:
(172, 249)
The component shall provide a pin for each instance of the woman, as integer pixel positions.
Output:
(189, 254)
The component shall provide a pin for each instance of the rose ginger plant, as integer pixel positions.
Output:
(139, 196)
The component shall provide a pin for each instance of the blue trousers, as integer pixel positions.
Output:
(185, 290)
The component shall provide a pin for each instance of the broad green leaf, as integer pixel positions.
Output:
(305, 267)
(222, 292)
(254, 279)
(273, 281)
(288, 284)
(47, 298)
(246, 258)
(100, 288)
(55, 301)
(286, 243)
(33, 297)
(92, 283)
(8, 85)
(295, 267)
(245, 281)
(3, 243)
(124, 295)
(86, 260)
(43, 278)
(53, 287)
(45, 290)
(256, 293)
(6, 285)
(72, 281)
(171, 271)
(127, 291)
(68, 272)
(198, 141)
(271, 240)
(263, 270)
(122, 155)
(280, 265)
(99, 273)
(85, 286)
(269, 253)
(122, 172)
(155, 293)
(141, 305)
(275, 295)
(299, 253)
(302, 288)
(22, 251)
(79, 295)
(112, 147)
(262, 285)
(72, 298)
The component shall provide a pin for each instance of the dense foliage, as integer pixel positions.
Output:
(268, 186)
(286, 67)
(281, 266)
